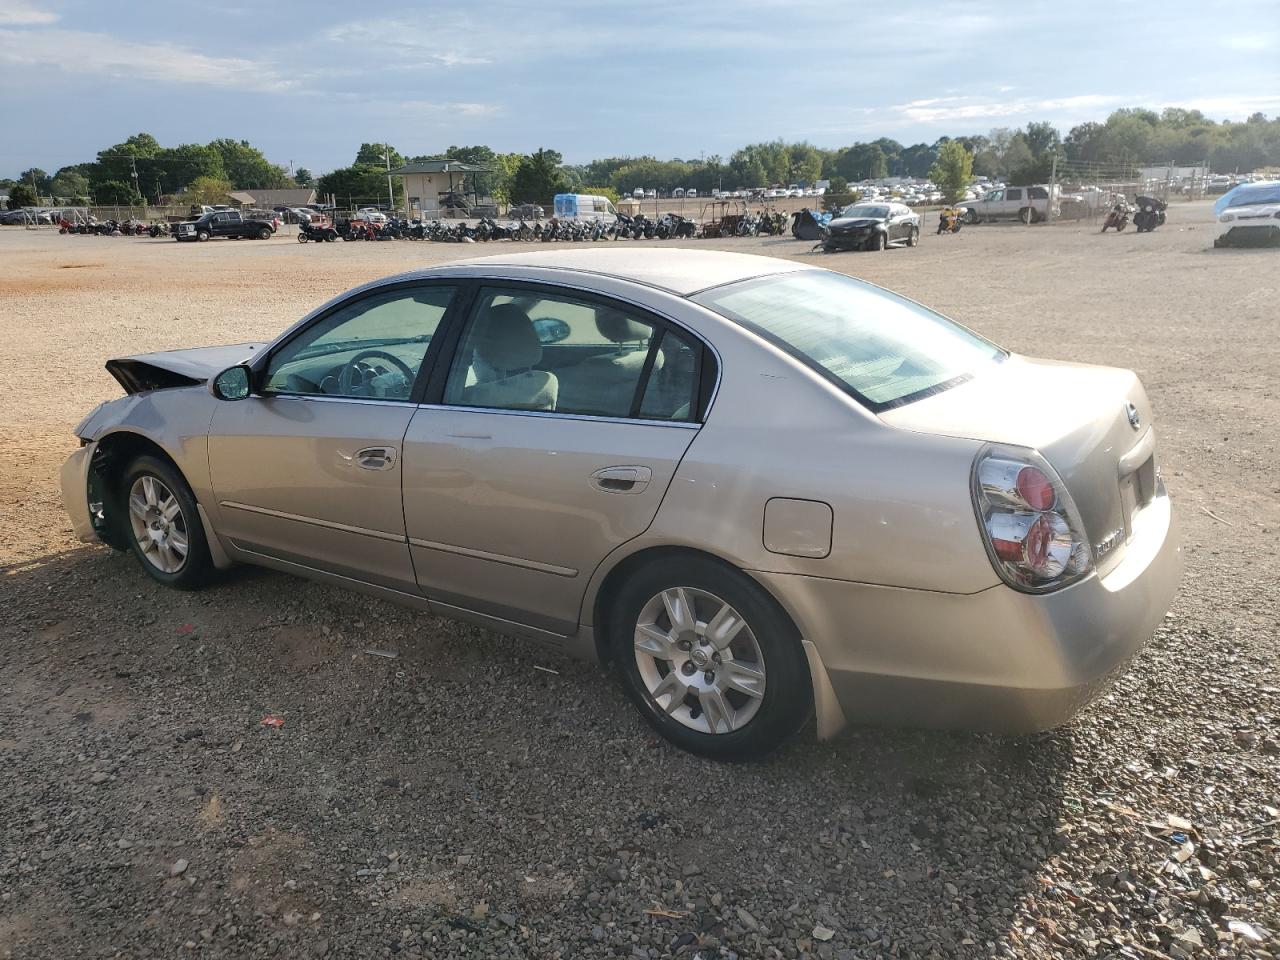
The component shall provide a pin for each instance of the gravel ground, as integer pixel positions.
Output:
(473, 797)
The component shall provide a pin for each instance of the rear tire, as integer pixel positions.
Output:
(1026, 215)
(763, 654)
(913, 237)
(160, 519)
(264, 233)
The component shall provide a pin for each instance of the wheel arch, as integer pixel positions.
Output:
(829, 716)
(114, 451)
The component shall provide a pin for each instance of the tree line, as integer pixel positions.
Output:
(139, 167)
(204, 172)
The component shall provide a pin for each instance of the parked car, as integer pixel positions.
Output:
(691, 193)
(370, 215)
(872, 226)
(1249, 214)
(224, 223)
(1028, 204)
(776, 490)
(651, 194)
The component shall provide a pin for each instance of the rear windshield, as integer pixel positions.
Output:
(882, 348)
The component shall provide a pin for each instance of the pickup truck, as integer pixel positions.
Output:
(1028, 204)
(224, 223)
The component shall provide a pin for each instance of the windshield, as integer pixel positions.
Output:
(872, 211)
(1253, 193)
(884, 349)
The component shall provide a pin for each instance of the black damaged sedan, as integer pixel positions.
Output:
(872, 226)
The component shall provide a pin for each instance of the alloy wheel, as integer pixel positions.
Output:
(699, 660)
(158, 523)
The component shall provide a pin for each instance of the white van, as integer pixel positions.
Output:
(584, 206)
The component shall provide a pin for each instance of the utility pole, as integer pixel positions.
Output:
(1053, 189)
(391, 195)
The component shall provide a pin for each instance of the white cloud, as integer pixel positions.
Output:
(949, 109)
(427, 41)
(101, 54)
(21, 13)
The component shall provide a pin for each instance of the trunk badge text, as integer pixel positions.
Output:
(1135, 420)
(1108, 543)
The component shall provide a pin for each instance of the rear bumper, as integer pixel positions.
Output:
(74, 479)
(996, 660)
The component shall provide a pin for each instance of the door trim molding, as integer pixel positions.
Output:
(550, 568)
(313, 521)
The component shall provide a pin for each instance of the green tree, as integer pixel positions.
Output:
(36, 178)
(119, 192)
(207, 190)
(1042, 138)
(375, 154)
(952, 171)
(70, 184)
(1084, 142)
(838, 194)
(538, 178)
(21, 196)
(303, 177)
(354, 185)
(863, 161)
(246, 166)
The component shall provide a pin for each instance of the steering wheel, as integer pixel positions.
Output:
(356, 372)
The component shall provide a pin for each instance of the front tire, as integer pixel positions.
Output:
(162, 524)
(914, 237)
(709, 659)
(202, 236)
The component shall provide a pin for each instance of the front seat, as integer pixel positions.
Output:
(505, 349)
(604, 384)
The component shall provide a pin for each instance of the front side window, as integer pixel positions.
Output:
(880, 347)
(371, 348)
(527, 350)
(996, 195)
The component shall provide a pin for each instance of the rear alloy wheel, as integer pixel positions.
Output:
(709, 659)
(166, 534)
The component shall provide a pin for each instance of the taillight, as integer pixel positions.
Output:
(1033, 532)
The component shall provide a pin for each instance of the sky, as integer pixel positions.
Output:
(308, 80)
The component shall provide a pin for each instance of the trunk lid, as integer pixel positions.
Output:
(1081, 418)
(177, 368)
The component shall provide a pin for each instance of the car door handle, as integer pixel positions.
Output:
(621, 479)
(374, 458)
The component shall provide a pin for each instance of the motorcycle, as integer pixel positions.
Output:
(1118, 217)
(1150, 214)
(950, 219)
(159, 228)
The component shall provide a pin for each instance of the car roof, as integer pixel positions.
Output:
(681, 271)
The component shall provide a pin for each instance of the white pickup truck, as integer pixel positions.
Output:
(1028, 204)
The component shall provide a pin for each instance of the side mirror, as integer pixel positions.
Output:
(550, 330)
(232, 383)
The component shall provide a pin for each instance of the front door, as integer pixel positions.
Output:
(561, 425)
(308, 469)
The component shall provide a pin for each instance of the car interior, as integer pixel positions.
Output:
(518, 352)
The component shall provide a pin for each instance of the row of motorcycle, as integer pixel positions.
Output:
(115, 228)
(639, 227)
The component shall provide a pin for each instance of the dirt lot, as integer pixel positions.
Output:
(457, 801)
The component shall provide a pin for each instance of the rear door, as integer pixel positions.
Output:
(1013, 201)
(535, 462)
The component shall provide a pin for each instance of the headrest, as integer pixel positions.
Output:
(505, 338)
(619, 328)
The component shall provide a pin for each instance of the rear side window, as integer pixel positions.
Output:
(882, 348)
(1014, 195)
(526, 350)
